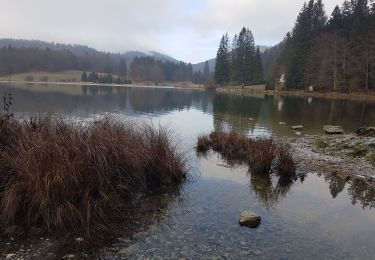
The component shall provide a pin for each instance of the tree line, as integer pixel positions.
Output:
(335, 53)
(150, 69)
(239, 61)
(104, 78)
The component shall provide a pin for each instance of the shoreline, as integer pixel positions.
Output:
(337, 156)
(259, 90)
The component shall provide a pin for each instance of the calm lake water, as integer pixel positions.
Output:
(314, 217)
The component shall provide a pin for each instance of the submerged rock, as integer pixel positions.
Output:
(366, 131)
(331, 129)
(10, 256)
(297, 127)
(249, 219)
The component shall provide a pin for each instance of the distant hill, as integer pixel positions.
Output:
(161, 56)
(76, 49)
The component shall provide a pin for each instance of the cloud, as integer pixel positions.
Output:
(186, 29)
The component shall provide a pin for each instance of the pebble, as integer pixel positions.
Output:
(10, 256)
(69, 256)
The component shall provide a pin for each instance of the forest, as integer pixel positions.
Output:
(335, 53)
(18, 56)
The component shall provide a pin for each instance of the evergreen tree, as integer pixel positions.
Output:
(319, 17)
(84, 77)
(122, 68)
(222, 70)
(243, 57)
(258, 68)
(234, 61)
(206, 72)
(336, 20)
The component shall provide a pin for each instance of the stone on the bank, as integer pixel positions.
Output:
(10, 256)
(249, 219)
(331, 129)
(297, 127)
(366, 131)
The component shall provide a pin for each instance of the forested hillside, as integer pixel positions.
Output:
(335, 53)
(18, 56)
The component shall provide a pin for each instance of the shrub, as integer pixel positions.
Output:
(258, 153)
(203, 144)
(285, 164)
(78, 179)
(262, 154)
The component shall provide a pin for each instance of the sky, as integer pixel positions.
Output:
(188, 30)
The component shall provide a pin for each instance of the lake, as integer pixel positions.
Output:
(317, 216)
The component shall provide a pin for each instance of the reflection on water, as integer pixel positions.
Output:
(254, 115)
(312, 216)
(269, 189)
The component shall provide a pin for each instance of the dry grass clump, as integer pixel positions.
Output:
(285, 164)
(203, 144)
(72, 178)
(260, 154)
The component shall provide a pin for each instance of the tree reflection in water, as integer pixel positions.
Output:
(270, 189)
(360, 191)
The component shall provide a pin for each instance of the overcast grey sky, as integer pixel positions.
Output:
(185, 29)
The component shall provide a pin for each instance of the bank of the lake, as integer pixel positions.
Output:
(260, 90)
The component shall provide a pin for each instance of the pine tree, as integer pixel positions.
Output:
(234, 61)
(336, 20)
(319, 17)
(243, 57)
(122, 68)
(258, 68)
(84, 77)
(206, 72)
(222, 72)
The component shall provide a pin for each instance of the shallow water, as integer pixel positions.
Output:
(317, 216)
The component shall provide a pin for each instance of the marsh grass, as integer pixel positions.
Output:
(260, 154)
(70, 178)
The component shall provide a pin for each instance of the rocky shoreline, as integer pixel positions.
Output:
(348, 156)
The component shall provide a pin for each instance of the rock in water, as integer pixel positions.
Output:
(249, 219)
(297, 127)
(366, 131)
(330, 129)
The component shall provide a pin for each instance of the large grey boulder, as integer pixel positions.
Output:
(249, 219)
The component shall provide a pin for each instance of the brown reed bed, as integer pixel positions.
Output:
(261, 154)
(75, 178)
